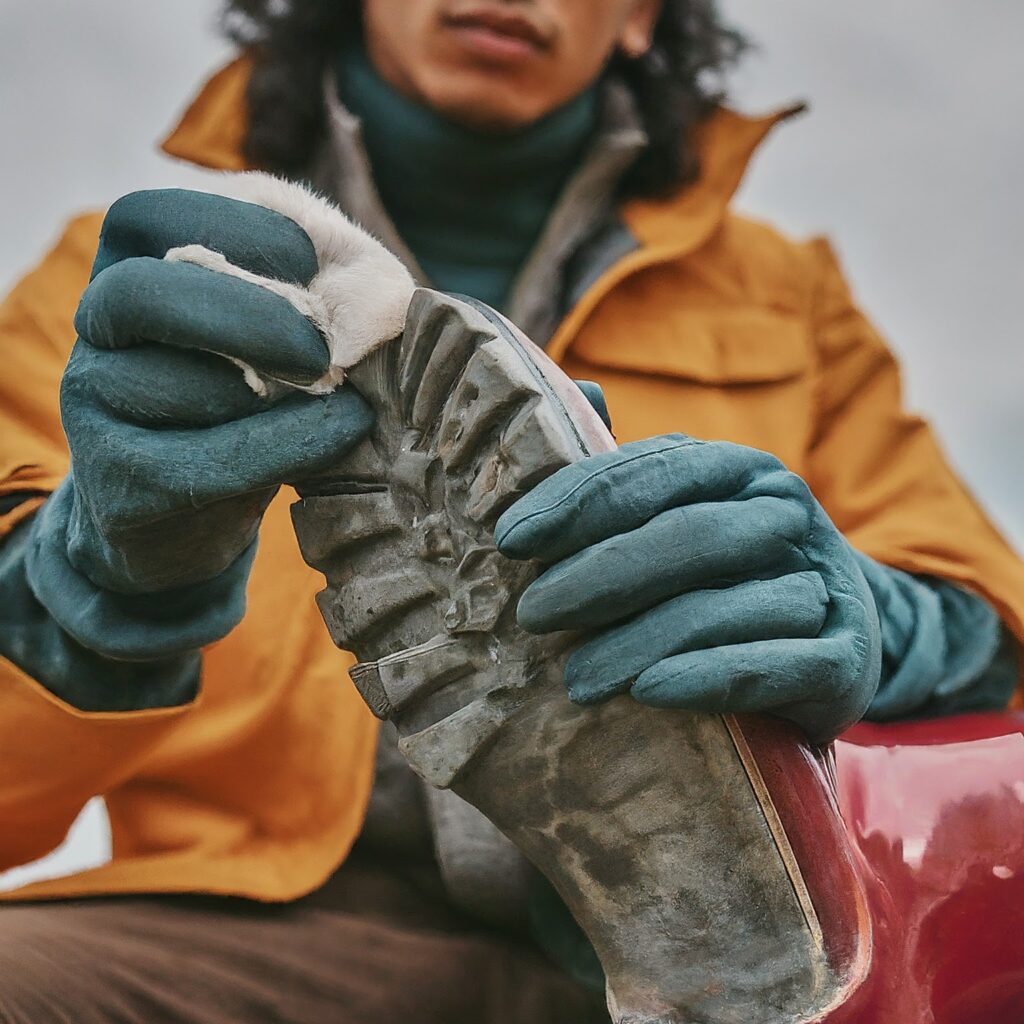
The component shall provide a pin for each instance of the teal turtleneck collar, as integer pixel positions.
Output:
(469, 205)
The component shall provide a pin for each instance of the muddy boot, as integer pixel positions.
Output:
(656, 827)
(702, 855)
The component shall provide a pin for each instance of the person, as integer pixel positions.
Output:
(776, 533)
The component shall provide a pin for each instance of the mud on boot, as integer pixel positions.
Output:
(647, 822)
(702, 856)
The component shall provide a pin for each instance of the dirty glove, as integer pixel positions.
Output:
(144, 551)
(712, 581)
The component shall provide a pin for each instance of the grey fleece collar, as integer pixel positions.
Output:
(583, 214)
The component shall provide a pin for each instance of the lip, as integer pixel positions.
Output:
(498, 34)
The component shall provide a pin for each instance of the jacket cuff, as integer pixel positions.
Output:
(945, 650)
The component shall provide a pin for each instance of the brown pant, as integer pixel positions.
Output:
(374, 946)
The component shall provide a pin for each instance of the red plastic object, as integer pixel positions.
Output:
(921, 902)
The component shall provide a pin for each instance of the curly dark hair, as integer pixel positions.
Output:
(677, 83)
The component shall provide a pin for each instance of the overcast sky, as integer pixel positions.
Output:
(911, 159)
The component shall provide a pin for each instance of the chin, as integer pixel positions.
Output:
(486, 103)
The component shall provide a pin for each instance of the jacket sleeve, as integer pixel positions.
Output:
(53, 757)
(878, 469)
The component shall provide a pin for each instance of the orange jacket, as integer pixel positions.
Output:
(716, 326)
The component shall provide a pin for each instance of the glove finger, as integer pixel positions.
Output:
(192, 307)
(156, 385)
(680, 550)
(807, 681)
(144, 474)
(792, 606)
(151, 222)
(619, 491)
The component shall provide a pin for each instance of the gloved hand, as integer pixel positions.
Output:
(711, 579)
(145, 549)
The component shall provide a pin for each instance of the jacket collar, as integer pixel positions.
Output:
(212, 130)
(670, 228)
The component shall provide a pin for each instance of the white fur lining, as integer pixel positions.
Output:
(358, 299)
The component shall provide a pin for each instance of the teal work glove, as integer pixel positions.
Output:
(711, 579)
(144, 551)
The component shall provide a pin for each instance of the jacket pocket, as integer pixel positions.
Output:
(707, 346)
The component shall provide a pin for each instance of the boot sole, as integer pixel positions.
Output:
(655, 827)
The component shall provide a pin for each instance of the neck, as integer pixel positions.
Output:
(469, 204)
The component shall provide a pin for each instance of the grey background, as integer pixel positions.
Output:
(910, 159)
